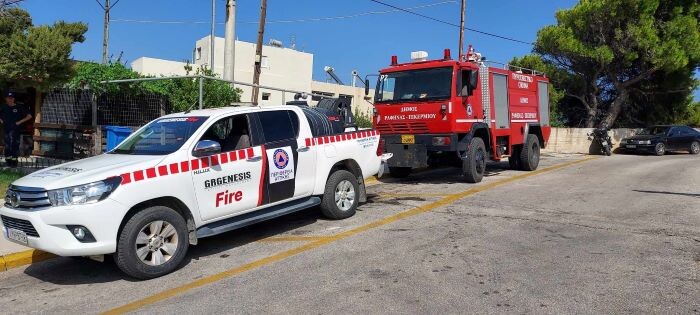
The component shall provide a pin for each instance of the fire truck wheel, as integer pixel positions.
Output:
(400, 172)
(514, 159)
(152, 243)
(530, 154)
(474, 163)
(341, 196)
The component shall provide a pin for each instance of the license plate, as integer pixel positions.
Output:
(17, 236)
(408, 139)
(631, 146)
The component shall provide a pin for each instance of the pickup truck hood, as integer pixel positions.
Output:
(87, 170)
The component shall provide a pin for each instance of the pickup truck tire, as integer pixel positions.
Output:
(399, 172)
(474, 163)
(341, 196)
(152, 243)
(530, 154)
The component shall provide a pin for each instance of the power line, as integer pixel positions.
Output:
(315, 19)
(408, 10)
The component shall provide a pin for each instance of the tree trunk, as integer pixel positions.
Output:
(616, 107)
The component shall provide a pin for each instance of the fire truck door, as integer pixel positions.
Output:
(500, 99)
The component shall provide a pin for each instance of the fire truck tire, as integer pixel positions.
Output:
(514, 159)
(152, 243)
(399, 172)
(341, 196)
(474, 163)
(530, 154)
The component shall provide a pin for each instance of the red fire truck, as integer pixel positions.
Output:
(430, 112)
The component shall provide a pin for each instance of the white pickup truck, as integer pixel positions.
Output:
(186, 176)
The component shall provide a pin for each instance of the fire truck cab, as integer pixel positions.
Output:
(433, 112)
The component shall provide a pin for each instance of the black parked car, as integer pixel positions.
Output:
(659, 139)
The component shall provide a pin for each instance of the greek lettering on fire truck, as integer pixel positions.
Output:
(191, 175)
(431, 112)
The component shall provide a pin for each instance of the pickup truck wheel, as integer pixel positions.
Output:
(530, 154)
(152, 243)
(474, 163)
(399, 172)
(341, 196)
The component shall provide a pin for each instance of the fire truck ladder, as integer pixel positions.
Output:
(485, 96)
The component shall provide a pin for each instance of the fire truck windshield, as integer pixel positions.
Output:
(415, 85)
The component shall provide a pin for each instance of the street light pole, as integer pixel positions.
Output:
(212, 39)
(105, 33)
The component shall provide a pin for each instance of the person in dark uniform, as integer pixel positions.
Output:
(12, 116)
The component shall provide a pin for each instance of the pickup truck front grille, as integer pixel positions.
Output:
(19, 224)
(403, 127)
(18, 197)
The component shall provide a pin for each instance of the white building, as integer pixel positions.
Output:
(281, 68)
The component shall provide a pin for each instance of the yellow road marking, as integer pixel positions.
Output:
(413, 195)
(295, 238)
(327, 240)
(27, 257)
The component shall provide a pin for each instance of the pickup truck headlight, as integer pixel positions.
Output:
(88, 193)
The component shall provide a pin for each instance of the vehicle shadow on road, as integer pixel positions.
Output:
(75, 271)
(667, 193)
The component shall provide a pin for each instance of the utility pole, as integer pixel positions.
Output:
(258, 52)
(212, 39)
(230, 40)
(461, 31)
(105, 30)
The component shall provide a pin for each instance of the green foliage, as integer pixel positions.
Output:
(692, 117)
(618, 52)
(183, 93)
(363, 120)
(37, 56)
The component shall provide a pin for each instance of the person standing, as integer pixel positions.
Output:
(12, 116)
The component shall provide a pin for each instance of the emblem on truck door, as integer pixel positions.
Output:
(283, 162)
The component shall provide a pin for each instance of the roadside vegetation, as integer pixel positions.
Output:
(621, 62)
(6, 178)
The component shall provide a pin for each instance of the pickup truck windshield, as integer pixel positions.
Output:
(160, 137)
(415, 85)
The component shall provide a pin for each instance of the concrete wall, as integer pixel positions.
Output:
(575, 140)
(282, 68)
(157, 67)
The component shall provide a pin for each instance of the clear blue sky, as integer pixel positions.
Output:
(364, 43)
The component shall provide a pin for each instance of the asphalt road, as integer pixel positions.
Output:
(607, 235)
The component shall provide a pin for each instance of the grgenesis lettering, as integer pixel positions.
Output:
(225, 180)
(226, 197)
(178, 119)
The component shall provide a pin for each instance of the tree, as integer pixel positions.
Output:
(614, 48)
(37, 56)
(183, 93)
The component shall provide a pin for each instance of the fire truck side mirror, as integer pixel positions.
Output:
(366, 87)
(468, 82)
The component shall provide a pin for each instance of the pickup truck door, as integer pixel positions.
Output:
(290, 162)
(229, 182)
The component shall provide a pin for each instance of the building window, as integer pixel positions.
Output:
(199, 53)
(265, 62)
(265, 96)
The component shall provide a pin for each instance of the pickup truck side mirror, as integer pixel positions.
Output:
(206, 148)
(366, 87)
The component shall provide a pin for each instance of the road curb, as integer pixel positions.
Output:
(27, 257)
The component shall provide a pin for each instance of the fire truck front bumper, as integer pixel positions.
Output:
(413, 150)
